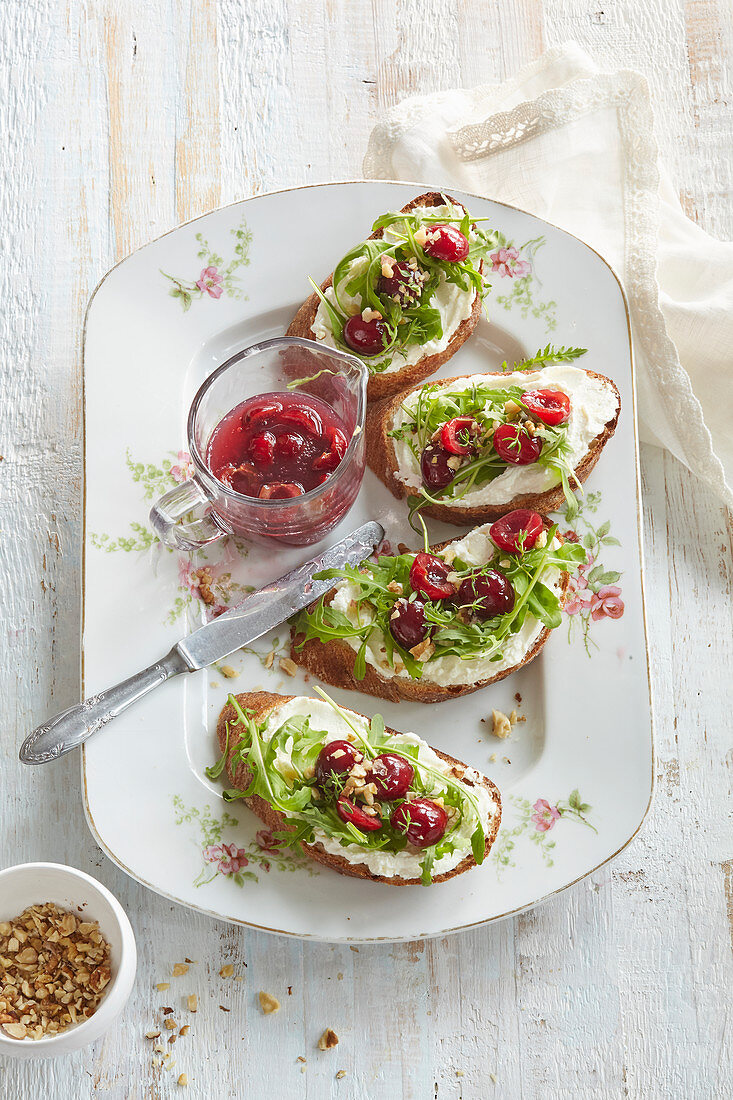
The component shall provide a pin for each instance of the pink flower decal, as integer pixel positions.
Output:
(265, 841)
(544, 815)
(607, 602)
(182, 469)
(507, 262)
(228, 857)
(210, 281)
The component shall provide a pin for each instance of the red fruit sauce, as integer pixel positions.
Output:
(277, 445)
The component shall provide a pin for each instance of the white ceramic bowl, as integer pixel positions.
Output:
(35, 883)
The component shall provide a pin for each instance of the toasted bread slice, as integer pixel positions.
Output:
(260, 704)
(333, 662)
(382, 459)
(389, 382)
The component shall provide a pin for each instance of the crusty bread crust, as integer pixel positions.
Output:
(385, 384)
(259, 704)
(381, 458)
(333, 662)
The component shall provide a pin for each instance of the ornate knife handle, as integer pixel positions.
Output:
(71, 728)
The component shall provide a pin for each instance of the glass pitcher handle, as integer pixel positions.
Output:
(196, 530)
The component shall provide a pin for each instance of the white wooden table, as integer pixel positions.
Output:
(122, 118)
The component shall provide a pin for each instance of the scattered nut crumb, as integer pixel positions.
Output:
(192, 1002)
(341, 1073)
(170, 1024)
(185, 1029)
(300, 1058)
(270, 659)
(162, 986)
(459, 1073)
(268, 1003)
(501, 725)
(339, 976)
(183, 1079)
(167, 1011)
(228, 671)
(288, 665)
(226, 971)
(492, 758)
(178, 969)
(328, 1040)
(152, 1034)
(493, 1077)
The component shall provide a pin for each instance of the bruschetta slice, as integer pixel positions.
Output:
(357, 797)
(405, 299)
(441, 623)
(475, 447)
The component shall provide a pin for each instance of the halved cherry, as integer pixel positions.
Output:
(405, 284)
(280, 490)
(455, 435)
(289, 445)
(446, 242)
(407, 623)
(488, 594)
(429, 575)
(422, 821)
(518, 530)
(391, 775)
(365, 337)
(264, 411)
(334, 762)
(515, 445)
(348, 811)
(302, 417)
(330, 459)
(243, 478)
(262, 449)
(436, 473)
(550, 406)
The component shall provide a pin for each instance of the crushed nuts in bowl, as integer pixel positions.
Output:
(67, 959)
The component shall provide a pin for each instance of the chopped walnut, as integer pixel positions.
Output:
(226, 971)
(268, 1003)
(288, 665)
(54, 969)
(423, 651)
(178, 969)
(501, 726)
(396, 587)
(328, 1040)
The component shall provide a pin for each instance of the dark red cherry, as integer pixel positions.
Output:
(337, 444)
(518, 530)
(550, 406)
(404, 284)
(457, 435)
(445, 242)
(365, 337)
(407, 623)
(391, 775)
(429, 575)
(242, 478)
(348, 811)
(302, 417)
(289, 445)
(280, 490)
(516, 446)
(262, 449)
(334, 762)
(489, 592)
(422, 821)
(436, 473)
(260, 413)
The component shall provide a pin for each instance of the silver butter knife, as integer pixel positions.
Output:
(257, 614)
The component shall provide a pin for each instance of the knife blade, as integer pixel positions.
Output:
(257, 614)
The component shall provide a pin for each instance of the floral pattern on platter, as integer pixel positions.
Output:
(518, 264)
(215, 278)
(205, 581)
(535, 821)
(593, 591)
(229, 859)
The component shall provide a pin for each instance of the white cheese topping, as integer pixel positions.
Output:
(475, 550)
(453, 304)
(592, 404)
(404, 864)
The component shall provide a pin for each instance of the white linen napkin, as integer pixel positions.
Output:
(576, 146)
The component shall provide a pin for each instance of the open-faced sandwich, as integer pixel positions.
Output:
(362, 799)
(405, 299)
(474, 447)
(444, 622)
